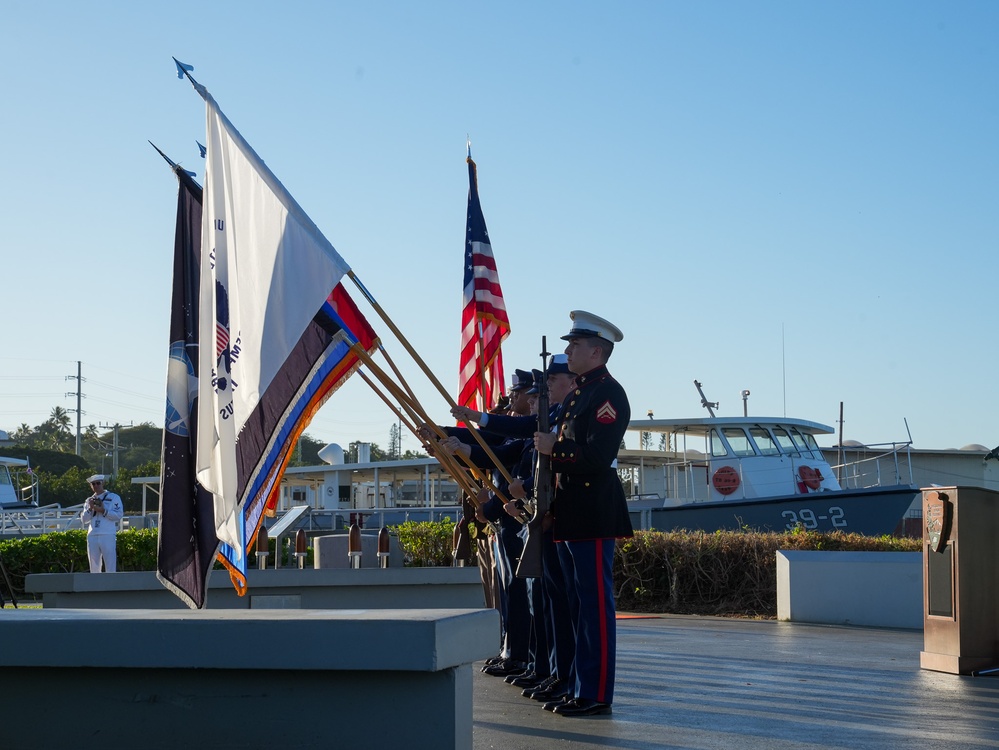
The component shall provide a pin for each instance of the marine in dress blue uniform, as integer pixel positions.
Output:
(515, 610)
(590, 510)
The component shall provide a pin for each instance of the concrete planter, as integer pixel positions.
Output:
(876, 589)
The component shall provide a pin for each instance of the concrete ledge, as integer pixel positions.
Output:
(391, 588)
(875, 589)
(303, 679)
(409, 640)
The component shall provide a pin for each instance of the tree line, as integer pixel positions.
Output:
(50, 447)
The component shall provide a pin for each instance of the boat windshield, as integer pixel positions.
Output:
(784, 441)
(764, 443)
(806, 443)
(717, 445)
(739, 441)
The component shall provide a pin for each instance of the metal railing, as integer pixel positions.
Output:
(866, 471)
(43, 520)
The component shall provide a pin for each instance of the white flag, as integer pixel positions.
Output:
(266, 270)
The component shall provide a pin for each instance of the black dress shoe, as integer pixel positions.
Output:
(504, 668)
(528, 681)
(555, 704)
(553, 692)
(493, 660)
(512, 678)
(543, 685)
(582, 707)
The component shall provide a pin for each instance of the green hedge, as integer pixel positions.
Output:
(720, 573)
(66, 552)
(679, 572)
(425, 543)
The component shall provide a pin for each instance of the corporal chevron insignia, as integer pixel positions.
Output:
(606, 414)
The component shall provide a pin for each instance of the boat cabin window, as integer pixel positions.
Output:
(4, 475)
(739, 441)
(764, 443)
(717, 445)
(808, 440)
(784, 441)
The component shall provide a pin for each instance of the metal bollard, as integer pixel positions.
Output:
(383, 547)
(354, 546)
(301, 548)
(263, 547)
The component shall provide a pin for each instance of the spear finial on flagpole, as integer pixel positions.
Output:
(468, 145)
(170, 161)
(183, 69)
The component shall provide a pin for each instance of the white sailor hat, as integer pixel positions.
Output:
(95, 478)
(559, 363)
(521, 380)
(588, 325)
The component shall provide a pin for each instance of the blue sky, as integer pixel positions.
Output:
(797, 198)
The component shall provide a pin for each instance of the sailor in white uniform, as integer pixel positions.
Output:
(100, 516)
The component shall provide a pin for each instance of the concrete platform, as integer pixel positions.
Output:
(286, 588)
(241, 678)
(714, 683)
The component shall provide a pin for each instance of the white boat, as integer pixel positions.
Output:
(765, 473)
(18, 484)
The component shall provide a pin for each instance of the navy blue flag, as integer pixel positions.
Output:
(187, 542)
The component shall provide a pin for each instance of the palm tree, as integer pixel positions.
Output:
(60, 418)
(55, 432)
(23, 434)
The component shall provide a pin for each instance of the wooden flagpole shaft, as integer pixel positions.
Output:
(445, 459)
(430, 447)
(398, 393)
(480, 347)
(426, 370)
(415, 406)
(397, 372)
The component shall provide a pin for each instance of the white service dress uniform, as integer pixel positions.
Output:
(102, 529)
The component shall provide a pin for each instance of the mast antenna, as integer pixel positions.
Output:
(709, 405)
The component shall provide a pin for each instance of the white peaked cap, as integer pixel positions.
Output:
(586, 325)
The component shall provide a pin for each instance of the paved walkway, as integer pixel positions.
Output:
(706, 683)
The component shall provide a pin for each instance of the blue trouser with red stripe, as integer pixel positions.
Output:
(561, 635)
(588, 568)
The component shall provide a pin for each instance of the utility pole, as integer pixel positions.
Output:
(115, 446)
(79, 411)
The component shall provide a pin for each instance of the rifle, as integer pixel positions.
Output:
(531, 558)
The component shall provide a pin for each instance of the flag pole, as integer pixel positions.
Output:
(480, 345)
(462, 478)
(445, 459)
(174, 166)
(426, 370)
(185, 70)
(421, 413)
(166, 158)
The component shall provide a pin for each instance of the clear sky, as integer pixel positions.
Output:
(796, 198)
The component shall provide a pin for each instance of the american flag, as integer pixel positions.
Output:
(221, 319)
(484, 322)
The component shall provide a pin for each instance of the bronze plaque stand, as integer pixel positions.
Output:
(960, 579)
